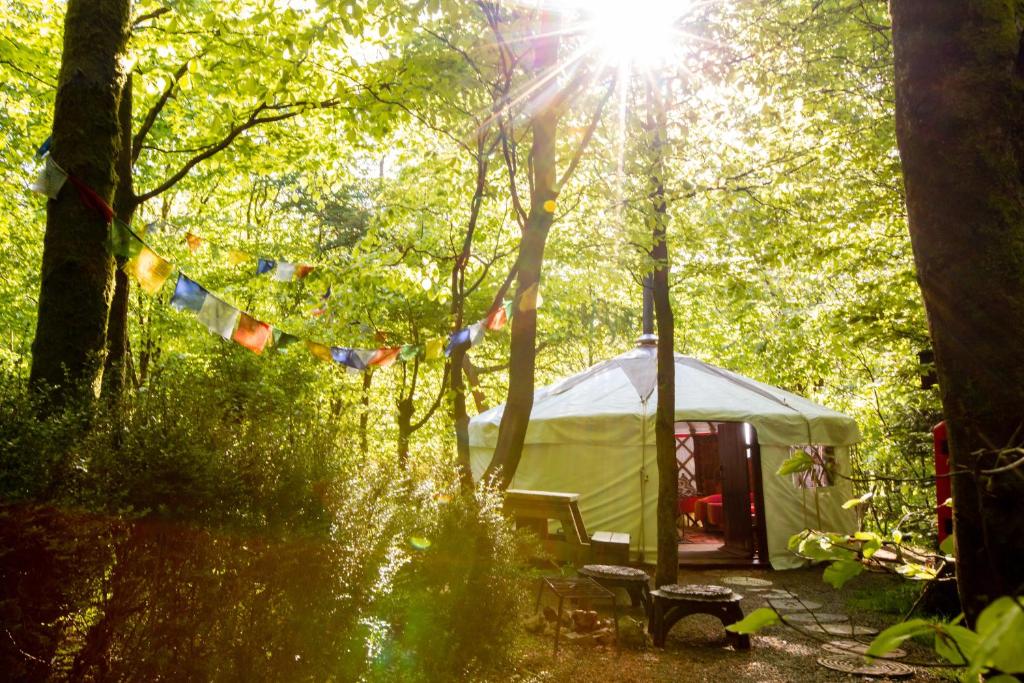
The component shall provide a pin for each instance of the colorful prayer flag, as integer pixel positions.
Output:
(218, 316)
(50, 179)
(89, 197)
(45, 147)
(149, 269)
(350, 358)
(458, 340)
(476, 333)
(320, 351)
(283, 339)
(194, 242)
(236, 257)
(251, 333)
(497, 319)
(409, 352)
(382, 358)
(530, 299)
(435, 349)
(303, 271)
(265, 265)
(121, 241)
(285, 271)
(188, 295)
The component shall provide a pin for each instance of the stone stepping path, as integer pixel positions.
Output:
(851, 648)
(789, 604)
(880, 669)
(817, 618)
(846, 630)
(748, 581)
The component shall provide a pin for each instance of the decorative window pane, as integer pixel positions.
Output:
(822, 470)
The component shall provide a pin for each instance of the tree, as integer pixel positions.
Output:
(960, 128)
(77, 272)
(664, 424)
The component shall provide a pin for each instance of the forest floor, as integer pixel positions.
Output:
(697, 649)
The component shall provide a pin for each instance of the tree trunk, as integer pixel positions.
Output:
(364, 414)
(77, 272)
(667, 570)
(959, 120)
(125, 203)
(522, 349)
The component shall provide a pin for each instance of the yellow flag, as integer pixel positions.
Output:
(149, 269)
(435, 349)
(530, 299)
(320, 351)
(236, 257)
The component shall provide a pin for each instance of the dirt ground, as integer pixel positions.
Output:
(697, 649)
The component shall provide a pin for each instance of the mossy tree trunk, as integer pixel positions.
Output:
(960, 129)
(667, 570)
(77, 272)
(118, 359)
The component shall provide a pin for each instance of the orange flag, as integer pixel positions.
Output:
(497, 319)
(251, 333)
(194, 241)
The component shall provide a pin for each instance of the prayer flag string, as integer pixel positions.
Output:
(151, 271)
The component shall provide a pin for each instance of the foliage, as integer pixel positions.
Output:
(248, 503)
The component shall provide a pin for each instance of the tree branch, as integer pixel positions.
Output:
(154, 111)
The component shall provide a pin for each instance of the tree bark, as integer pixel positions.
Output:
(959, 120)
(522, 349)
(125, 203)
(667, 570)
(77, 272)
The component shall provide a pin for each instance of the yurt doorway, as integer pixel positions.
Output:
(720, 500)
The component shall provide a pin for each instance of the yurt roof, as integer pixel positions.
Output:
(615, 401)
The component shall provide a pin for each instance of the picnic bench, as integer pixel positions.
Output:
(536, 510)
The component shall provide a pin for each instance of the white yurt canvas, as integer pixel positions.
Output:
(593, 434)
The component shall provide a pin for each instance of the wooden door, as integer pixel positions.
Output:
(736, 499)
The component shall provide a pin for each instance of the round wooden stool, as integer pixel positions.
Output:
(634, 581)
(675, 601)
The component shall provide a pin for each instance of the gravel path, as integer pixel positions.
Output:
(697, 649)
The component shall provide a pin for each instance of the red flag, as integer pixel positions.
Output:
(384, 357)
(497, 319)
(303, 271)
(91, 199)
(251, 333)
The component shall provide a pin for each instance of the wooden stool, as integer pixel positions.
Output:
(635, 582)
(675, 601)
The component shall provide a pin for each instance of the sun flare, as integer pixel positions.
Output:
(634, 33)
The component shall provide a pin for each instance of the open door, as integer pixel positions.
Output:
(737, 501)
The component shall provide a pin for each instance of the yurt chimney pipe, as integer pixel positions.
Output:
(648, 338)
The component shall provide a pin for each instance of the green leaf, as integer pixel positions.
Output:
(854, 502)
(948, 546)
(841, 571)
(891, 638)
(1001, 630)
(798, 462)
(761, 618)
(952, 640)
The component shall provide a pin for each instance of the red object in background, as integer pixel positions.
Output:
(943, 487)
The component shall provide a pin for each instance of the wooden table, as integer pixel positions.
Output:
(675, 601)
(576, 588)
(636, 582)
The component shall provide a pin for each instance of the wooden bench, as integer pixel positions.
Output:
(534, 509)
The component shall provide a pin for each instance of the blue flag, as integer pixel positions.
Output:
(459, 339)
(188, 295)
(45, 147)
(265, 265)
(347, 357)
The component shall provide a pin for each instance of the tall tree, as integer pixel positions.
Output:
(77, 272)
(960, 128)
(664, 423)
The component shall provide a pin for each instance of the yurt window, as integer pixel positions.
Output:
(821, 472)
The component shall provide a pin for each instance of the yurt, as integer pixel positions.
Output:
(593, 434)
